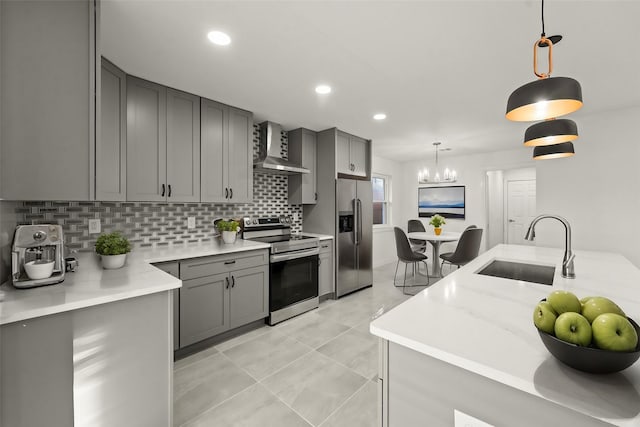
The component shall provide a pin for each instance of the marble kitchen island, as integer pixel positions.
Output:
(97, 349)
(468, 343)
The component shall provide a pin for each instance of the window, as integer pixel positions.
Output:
(381, 199)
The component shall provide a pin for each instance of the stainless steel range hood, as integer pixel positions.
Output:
(270, 154)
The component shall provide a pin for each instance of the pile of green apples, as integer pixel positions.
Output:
(588, 322)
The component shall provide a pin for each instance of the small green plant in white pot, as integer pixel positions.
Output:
(113, 249)
(229, 230)
(437, 221)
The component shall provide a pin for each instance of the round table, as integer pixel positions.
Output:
(436, 241)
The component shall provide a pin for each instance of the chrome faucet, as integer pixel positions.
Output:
(567, 262)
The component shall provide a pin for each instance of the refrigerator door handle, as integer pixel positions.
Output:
(356, 222)
(359, 220)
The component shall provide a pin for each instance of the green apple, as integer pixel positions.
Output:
(614, 332)
(544, 317)
(574, 328)
(584, 300)
(600, 305)
(564, 301)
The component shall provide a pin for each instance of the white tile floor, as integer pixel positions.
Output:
(317, 369)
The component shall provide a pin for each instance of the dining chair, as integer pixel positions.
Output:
(417, 225)
(407, 256)
(466, 250)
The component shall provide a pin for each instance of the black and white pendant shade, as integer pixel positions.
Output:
(551, 132)
(544, 99)
(555, 151)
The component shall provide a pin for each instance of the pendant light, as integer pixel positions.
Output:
(547, 97)
(424, 177)
(555, 151)
(552, 131)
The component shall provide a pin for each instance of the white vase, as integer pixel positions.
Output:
(111, 262)
(229, 236)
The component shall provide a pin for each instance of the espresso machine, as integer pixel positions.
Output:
(37, 255)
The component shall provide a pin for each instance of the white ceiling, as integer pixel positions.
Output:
(440, 70)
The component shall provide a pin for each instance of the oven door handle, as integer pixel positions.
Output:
(294, 255)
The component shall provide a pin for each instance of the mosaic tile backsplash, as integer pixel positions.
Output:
(160, 224)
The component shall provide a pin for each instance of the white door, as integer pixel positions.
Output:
(521, 209)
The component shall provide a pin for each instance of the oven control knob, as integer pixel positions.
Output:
(255, 221)
(39, 236)
(288, 219)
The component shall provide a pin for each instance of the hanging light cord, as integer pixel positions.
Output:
(543, 34)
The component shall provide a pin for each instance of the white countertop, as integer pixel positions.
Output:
(91, 285)
(485, 325)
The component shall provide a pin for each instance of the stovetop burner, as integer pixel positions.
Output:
(277, 232)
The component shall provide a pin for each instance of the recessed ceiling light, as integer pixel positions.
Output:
(323, 89)
(219, 38)
(380, 116)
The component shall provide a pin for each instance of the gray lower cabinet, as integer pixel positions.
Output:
(163, 143)
(325, 269)
(48, 69)
(111, 136)
(204, 308)
(302, 150)
(226, 153)
(222, 292)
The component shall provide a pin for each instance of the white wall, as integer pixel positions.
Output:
(471, 171)
(384, 247)
(597, 190)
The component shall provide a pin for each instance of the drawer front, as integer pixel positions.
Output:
(217, 264)
(326, 246)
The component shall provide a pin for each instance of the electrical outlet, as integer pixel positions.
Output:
(460, 419)
(94, 226)
(191, 222)
(296, 216)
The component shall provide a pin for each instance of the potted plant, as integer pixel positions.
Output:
(437, 221)
(113, 249)
(228, 229)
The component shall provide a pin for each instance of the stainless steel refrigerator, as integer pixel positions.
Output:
(354, 211)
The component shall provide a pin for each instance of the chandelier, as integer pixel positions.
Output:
(448, 175)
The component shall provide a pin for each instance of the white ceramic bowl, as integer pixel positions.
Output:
(39, 269)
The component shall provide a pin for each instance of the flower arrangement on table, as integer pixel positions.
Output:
(437, 221)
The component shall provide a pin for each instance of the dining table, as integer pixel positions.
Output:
(436, 240)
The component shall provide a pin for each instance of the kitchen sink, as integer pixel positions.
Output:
(535, 273)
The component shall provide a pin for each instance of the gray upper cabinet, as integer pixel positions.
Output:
(146, 141)
(343, 161)
(163, 143)
(111, 142)
(358, 155)
(351, 155)
(48, 74)
(226, 153)
(183, 147)
(302, 150)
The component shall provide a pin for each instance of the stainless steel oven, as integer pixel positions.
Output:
(293, 266)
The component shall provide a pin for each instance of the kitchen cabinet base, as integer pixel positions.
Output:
(215, 340)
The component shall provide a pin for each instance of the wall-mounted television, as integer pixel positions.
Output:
(446, 201)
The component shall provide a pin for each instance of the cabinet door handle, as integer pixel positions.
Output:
(226, 279)
(316, 196)
(231, 193)
(325, 246)
(162, 190)
(169, 186)
(233, 281)
(226, 193)
(233, 261)
(319, 261)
